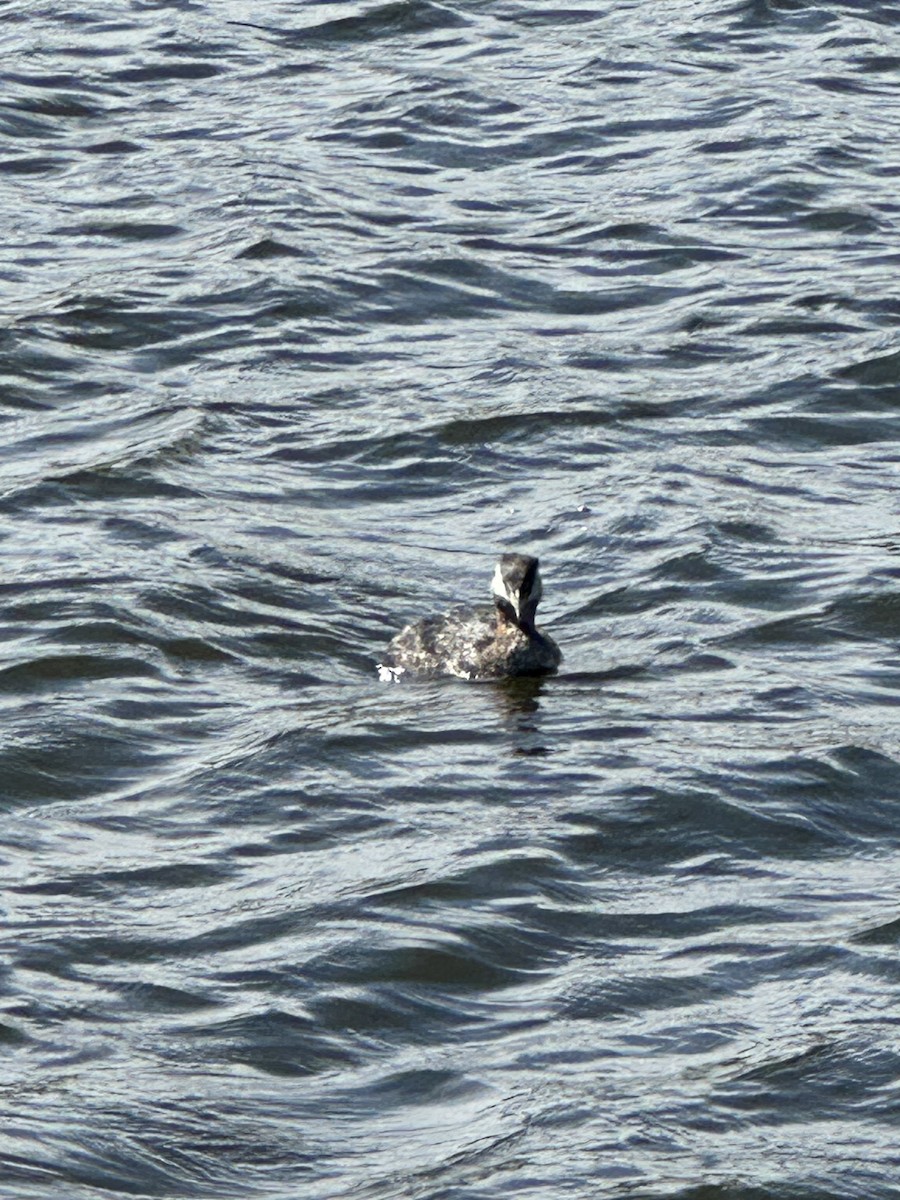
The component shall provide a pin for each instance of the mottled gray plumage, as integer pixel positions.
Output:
(480, 645)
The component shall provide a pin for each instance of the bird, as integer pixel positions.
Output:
(478, 645)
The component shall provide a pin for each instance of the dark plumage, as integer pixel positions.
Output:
(480, 645)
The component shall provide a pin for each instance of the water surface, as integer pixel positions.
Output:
(308, 312)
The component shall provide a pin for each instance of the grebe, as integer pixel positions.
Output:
(480, 645)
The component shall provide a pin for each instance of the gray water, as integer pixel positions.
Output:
(308, 311)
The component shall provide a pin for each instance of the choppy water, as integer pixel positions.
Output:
(308, 310)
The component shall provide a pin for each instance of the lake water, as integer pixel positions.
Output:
(309, 310)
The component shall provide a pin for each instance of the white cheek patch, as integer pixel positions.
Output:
(498, 588)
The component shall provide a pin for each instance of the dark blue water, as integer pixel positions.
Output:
(308, 311)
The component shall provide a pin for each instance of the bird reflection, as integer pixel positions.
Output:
(519, 702)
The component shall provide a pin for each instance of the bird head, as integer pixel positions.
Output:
(516, 589)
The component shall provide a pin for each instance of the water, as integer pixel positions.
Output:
(309, 310)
